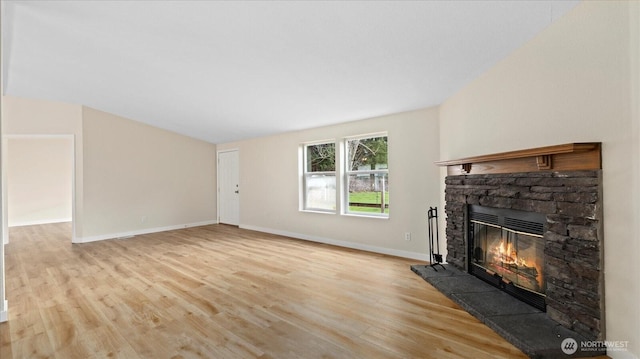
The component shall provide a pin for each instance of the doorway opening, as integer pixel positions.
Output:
(39, 181)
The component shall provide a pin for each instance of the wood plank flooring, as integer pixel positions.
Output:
(222, 292)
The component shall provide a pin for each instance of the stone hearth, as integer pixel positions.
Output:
(524, 326)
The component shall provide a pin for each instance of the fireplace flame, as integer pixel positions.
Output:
(506, 255)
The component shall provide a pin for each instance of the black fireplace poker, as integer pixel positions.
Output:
(435, 258)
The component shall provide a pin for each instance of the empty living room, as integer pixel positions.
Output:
(320, 179)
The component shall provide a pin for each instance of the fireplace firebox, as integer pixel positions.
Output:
(506, 249)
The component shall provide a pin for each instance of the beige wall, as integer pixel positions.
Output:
(139, 178)
(574, 82)
(269, 175)
(39, 179)
(22, 116)
(634, 46)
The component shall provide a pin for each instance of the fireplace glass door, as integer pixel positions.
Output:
(516, 257)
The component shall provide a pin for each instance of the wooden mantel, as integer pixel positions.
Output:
(567, 157)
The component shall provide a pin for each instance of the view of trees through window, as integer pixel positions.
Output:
(367, 175)
(321, 158)
(367, 152)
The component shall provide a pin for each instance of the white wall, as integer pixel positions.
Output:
(577, 81)
(141, 179)
(39, 179)
(269, 175)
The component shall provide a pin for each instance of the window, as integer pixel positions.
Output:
(319, 177)
(367, 176)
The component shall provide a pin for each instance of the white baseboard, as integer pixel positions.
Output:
(102, 237)
(352, 245)
(39, 221)
(4, 314)
(335, 242)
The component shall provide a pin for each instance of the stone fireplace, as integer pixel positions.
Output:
(558, 260)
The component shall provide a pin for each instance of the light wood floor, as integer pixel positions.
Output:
(222, 292)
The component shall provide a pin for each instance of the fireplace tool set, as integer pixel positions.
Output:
(435, 258)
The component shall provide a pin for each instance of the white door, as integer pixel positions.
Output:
(228, 188)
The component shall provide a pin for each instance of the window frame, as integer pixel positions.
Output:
(305, 174)
(347, 172)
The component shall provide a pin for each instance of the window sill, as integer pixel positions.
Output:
(317, 211)
(365, 215)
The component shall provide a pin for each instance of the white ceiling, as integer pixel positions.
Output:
(223, 71)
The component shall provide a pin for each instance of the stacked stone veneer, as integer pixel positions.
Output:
(571, 202)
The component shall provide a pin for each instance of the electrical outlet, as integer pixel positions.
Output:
(143, 219)
(407, 236)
